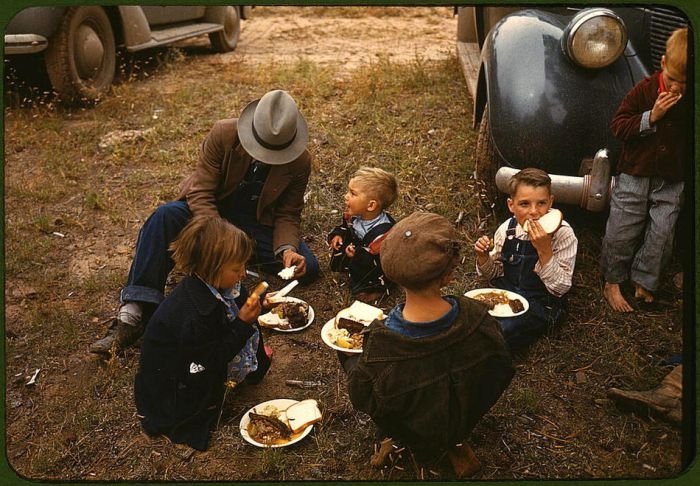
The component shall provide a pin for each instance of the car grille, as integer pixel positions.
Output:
(663, 22)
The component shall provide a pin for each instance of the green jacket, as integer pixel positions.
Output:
(432, 391)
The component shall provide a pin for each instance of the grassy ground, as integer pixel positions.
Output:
(72, 213)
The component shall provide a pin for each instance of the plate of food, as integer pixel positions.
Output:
(280, 422)
(501, 303)
(288, 314)
(344, 332)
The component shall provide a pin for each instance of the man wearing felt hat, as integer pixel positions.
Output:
(252, 171)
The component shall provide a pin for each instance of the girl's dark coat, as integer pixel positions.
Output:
(189, 330)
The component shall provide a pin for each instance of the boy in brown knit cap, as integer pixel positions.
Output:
(436, 365)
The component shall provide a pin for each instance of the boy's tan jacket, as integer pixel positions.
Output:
(222, 165)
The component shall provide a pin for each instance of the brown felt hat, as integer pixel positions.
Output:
(419, 249)
(272, 129)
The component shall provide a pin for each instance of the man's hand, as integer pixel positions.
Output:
(291, 257)
(540, 240)
(336, 242)
(663, 103)
(251, 310)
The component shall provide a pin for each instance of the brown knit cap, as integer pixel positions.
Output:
(419, 249)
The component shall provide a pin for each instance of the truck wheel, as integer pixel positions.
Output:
(226, 40)
(486, 165)
(81, 58)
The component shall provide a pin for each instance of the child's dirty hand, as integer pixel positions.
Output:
(541, 240)
(483, 245)
(663, 103)
(350, 250)
(251, 310)
(336, 242)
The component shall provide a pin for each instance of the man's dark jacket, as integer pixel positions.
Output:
(430, 392)
(186, 348)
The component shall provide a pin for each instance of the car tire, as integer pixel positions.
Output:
(81, 57)
(486, 164)
(226, 40)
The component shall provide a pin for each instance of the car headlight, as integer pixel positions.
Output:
(595, 38)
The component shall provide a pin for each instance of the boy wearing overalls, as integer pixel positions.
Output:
(534, 264)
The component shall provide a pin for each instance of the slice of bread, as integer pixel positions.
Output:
(550, 222)
(359, 312)
(302, 414)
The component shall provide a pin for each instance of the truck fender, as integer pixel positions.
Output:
(36, 20)
(135, 28)
(215, 15)
(531, 88)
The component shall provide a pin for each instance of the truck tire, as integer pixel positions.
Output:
(226, 40)
(486, 164)
(81, 57)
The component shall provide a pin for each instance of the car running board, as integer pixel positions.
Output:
(172, 34)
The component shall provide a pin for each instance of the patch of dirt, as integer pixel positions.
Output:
(348, 42)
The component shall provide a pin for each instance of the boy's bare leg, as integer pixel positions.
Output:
(464, 461)
(616, 301)
(642, 293)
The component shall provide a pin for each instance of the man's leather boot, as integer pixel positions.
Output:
(119, 336)
(665, 401)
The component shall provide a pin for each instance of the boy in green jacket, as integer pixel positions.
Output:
(437, 364)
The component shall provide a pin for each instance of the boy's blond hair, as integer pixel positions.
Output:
(530, 177)
(206, 244)
(677, 51)
(379, 184)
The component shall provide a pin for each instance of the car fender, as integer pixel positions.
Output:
(217, 15)
(36, 20)
(135, 28)
(533, 93)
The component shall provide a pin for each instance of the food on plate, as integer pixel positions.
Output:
(351, 322)
(302, 414)
(492, 299)
(358, 313)
(342, 338)
(495, 298)
(286, 315)
(516, 305)
(271, 426)
(550, 222)
(268, 429)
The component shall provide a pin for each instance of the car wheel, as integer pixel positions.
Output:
(81, 57)
(486, 165)
(226, 40)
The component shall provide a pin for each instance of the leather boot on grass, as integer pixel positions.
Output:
(664, 402)
(119, 336)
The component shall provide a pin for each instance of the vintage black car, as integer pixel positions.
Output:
(545, 84)
(79, 44)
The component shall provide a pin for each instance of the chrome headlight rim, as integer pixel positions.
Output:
(575, 25)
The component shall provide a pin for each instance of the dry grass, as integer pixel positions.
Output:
(79, 421)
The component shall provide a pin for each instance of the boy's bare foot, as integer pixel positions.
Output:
(678, 280)
(616, 301)
(464, 461)
(642, 293)
(379, 458)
